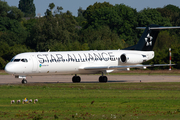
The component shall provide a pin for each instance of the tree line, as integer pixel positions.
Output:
(101, 26)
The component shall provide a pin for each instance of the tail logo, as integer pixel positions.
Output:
(148, 40)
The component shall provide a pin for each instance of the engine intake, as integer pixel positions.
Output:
(123, 58)
(131, 59)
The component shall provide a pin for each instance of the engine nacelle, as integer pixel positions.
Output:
(132, 59)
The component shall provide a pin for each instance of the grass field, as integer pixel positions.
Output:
(92, 101)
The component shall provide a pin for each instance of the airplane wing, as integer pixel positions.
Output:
(123, 67)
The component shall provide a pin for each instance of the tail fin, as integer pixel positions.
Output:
(148, 38)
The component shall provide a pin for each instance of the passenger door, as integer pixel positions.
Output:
(35, 64)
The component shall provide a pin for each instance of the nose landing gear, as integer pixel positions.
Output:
(24, 81)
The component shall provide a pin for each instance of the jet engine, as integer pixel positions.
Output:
(132, 59)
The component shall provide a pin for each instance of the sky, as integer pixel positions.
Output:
(73, 5)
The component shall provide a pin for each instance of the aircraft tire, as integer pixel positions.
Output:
(24, 81)
(103, 79)
(100, 78)
(76, 79)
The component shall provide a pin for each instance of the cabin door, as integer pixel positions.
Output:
(35, 64)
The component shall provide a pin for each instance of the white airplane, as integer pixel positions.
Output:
(86, 62)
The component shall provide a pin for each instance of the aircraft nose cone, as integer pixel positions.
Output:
(9, 68)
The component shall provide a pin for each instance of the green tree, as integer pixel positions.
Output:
(88, 13)
(12, 31)
(175, 58)
(80, 19)
(28, 24)
(165, 40)
(27, 7)
(48, 31)
(120, 19)
(101, 38)
(80, 11)
(4, 8)
(11, 12)
(51, 6)
(15, 13)
(4, 50)
(58, 10)
(151, 16)
(49, 11)
(172, 13)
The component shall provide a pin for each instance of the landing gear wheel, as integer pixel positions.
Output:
(76, 79)
(24, 81)
(103, 79)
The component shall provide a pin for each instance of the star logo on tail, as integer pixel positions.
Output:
(148, 40)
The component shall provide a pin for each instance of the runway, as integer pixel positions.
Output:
(9, 79)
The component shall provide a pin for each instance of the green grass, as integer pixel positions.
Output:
(3, 73)
(92, 101)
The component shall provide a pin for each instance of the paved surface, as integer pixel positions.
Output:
(9, 79)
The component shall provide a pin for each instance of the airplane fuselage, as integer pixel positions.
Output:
(72, 62)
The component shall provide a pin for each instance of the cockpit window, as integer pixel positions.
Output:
(17, 60)
(12, 60)
(144, 55)
(24, 60)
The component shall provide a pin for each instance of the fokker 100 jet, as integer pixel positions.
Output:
(87, 62)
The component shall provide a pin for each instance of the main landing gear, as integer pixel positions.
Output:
(76, 79)
(24, 81)
(103, 78)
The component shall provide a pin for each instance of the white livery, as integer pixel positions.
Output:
(86, 62)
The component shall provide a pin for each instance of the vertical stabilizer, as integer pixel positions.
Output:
(148, 38)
